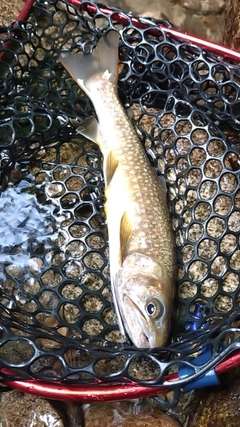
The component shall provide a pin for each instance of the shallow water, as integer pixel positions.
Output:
(25, 224)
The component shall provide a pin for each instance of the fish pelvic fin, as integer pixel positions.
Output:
(101, 64)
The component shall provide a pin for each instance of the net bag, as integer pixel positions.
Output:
(59, 336)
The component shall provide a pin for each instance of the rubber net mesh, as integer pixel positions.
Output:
(57, 320)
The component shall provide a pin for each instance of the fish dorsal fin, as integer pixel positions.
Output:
(110, 166)
(125, 235)
(90, 130)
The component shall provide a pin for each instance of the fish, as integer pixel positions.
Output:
(142, 254)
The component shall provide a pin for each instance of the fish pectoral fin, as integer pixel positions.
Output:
(110, 166)
(162, 182)
(130, 113)
(116, 306)
(116, 220)
(90, 130)
(125, 234)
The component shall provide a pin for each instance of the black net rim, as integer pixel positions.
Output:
(120, 391)
(97, 392)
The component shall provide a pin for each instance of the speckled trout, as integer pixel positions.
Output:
(141, 243)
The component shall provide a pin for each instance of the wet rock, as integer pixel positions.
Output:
(203, 18)
(10, 10)
(220, 406)
(24, 410)
(126, 414)
(71, 412)
(231, 35)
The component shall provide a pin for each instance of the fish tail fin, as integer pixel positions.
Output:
(102, 64)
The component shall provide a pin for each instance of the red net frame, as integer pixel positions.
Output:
(112, 392)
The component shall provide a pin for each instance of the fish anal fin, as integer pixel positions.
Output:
(110, 166)
(125, 235)
(90, 130)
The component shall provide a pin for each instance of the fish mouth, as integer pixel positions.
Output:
(137, 324)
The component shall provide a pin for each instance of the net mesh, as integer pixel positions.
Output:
(56, 311)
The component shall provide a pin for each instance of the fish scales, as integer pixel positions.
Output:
(141, 244)
(152, 231)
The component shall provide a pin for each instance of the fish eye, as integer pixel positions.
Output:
(154, 308)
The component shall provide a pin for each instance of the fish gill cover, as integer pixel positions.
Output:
(57, 320)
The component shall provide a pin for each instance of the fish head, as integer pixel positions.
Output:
(145, 294)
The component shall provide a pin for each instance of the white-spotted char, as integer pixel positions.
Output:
(141, 244)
